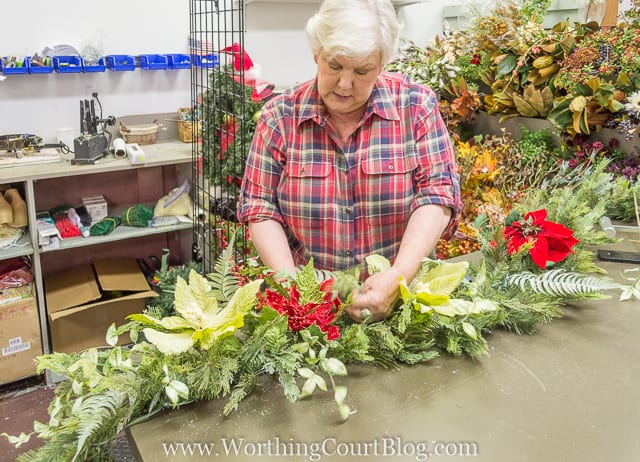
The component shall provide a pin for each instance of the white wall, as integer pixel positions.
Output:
(41, 103)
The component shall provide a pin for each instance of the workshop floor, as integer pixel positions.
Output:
(27, 400)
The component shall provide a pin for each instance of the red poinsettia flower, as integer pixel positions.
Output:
(551, 241)
(302, 316)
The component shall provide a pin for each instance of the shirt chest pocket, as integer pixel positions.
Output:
(390, 165)
(305, 192)
(388, 188)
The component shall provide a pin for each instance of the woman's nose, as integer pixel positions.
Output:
(345, 81)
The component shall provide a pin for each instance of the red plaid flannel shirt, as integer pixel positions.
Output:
(339, 204)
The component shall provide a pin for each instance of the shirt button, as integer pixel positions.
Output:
(348, 253)
(390, 167)
(347, 211)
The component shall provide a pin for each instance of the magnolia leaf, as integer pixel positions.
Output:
(340, 394)
(524, 108)
(506, 65)
(345, 411)
(306, 373)
(308, 387)
(377, 264)
(547, 98)
(112, 336)
(470, 330)
(169, 343)
(445, 278)
(333, 366)
(17, 441)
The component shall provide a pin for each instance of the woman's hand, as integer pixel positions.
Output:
(378, 294)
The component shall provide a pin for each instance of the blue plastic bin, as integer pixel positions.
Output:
(178, 61)
(121, 63)
(153, 62)
(67, 64)
(23, 69)
(100, 66)
(206, 61)
(39, 69)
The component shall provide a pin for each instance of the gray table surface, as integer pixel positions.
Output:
(569, 393)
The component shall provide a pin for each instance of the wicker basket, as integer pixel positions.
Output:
(185, 130)
(141, 134)
(185, 127)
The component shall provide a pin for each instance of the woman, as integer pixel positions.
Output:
(356, 161)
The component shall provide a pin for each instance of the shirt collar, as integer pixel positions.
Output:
(380, 103)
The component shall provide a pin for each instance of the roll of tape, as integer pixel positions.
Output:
(119, 148)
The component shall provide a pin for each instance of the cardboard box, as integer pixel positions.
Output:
(19, 339)
(96, 207)
(83, 302)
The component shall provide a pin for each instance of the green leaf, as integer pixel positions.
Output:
(445, 310)
(345, 411)
(431, 299)
(180, 388)
(19, 440)
(320, 382)
(169, 343)
(469, 330)
(112, 337)
(306, 372)
(340, 394)
(308, 387)
(377, 264)
(506, 66)
(333, 366)
(442, 279)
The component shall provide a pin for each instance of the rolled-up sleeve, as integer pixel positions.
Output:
(257, 199)
(436, 179)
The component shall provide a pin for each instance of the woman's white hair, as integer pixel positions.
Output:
(354, 29)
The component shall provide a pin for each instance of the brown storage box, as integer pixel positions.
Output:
(19, 339)
(81, 308)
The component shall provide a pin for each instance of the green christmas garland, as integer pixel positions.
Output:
(297, 332)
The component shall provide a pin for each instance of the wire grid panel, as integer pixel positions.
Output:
(219, 96)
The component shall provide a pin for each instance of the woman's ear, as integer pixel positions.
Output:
(315, 58)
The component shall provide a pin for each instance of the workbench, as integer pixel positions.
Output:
(570, 393)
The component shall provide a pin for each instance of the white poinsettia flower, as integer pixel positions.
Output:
(632, 105)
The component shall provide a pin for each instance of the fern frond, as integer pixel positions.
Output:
(95, 412)
(225, 282)
(560, 283)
